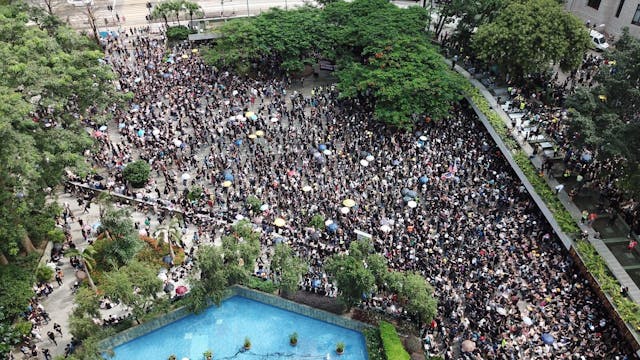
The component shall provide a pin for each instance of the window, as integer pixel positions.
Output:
(619, 8)
(593, 4)
(636, 17)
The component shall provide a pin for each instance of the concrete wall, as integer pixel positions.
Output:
(606, 15)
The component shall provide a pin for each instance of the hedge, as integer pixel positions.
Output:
(391, 342)
(374, 344)
(629, 311)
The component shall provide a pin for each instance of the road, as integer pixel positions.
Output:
(132, 13)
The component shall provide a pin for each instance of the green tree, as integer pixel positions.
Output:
(418, 297)
(86, 257)
(211, 282)
(353, 279)
(136, 285)
(51, 77)
(137, 173)
(604, 118)
(171, 233)
(192, 8)
(288, 268)
(470, 14)
(405, 79)
(121, 240)
(86, 308)
(241, 248)
(162, 10)
(527, 36)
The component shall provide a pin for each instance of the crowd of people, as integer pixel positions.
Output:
(441, 200)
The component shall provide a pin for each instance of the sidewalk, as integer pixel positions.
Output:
(59, 304)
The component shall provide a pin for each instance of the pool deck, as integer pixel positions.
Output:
(236, 290)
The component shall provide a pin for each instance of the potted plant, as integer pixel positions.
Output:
(247, 343)
(172, 357)
(340, 348)
(293, 339)
(208, 355)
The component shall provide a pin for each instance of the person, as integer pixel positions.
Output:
(57, 328)
(632, 244)
(454, 61)
(58, 278)
(559, 188)
(52, 337)
(47, 354)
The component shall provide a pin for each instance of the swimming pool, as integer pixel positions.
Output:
(223, 330)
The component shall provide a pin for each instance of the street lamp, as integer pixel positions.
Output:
(247, 8)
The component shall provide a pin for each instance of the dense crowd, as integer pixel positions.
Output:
(441, 200)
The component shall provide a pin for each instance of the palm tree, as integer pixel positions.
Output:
(176, 6)
(86, 257)
(172, 233)
(162, 11)
(192, 8)
(103, 200)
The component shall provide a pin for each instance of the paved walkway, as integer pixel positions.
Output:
(59, 304)
(614, 265)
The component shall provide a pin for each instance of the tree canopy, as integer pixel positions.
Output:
(382, 52)
(51, 79)
(527, 36)
(605, 118)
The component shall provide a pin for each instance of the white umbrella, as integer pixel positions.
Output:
(240, 117)
(412, 204)
(328, 222)
(234, 92)
(306, 188)
(162, 276)
(423, 138)
(364, 162)
(156, 132)
(274, 119)
(369, 158)
(327, 152)
(501, 311)
(344, 210)
(385, 228)
(177, 142)
(264, 207)
(186, 176)
(527, 320)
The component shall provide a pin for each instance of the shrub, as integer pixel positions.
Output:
(374, 344)
(23, 327)
(391, 342)
(194, 193)
(254, 203)
(56, 236)
(317, 222)
(629, 311)
(44, 274)
(178, 33)
(259, 284)
(137, 173)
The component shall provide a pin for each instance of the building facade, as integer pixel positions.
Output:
(609, 16)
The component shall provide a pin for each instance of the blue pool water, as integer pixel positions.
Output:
(223, 330)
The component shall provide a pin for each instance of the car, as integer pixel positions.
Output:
(80, 2)
(598, 41)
